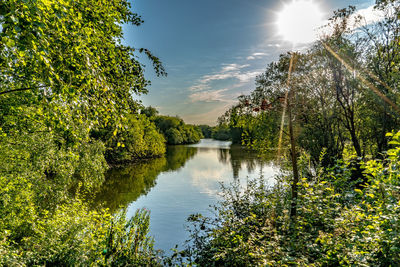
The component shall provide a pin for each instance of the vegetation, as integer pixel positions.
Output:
(345, 92)
(64, 76)
(139, 139)
(66, 110)
(337, 224)
(206, 130)
(174, 129)
(221, 132)
(341, 103)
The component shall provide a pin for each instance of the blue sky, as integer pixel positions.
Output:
(211, 49)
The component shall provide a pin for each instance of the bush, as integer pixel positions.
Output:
(139, 139)
(174, 137)
(75, 236)
(337, 223)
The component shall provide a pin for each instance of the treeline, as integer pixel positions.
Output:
(220, 132)
(340, 135)
(174, 129)
(145, 135)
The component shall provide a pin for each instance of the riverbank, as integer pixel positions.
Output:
(185, 181)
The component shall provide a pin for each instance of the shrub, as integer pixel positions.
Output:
(337, 223)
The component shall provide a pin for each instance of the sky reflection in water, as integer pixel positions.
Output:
(186, 181)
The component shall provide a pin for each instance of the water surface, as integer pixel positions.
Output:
(185, 181)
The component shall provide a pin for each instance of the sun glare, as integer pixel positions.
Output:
(298, 21)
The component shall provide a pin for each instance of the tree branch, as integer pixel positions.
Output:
(22, 89)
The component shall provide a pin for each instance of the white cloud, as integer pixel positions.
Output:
(233, 67)
(360, 18)
(260, 54)
(209, 95)
(207, 90)
(257, 56)
(228, 71)
(247, 76)
(218, 76)
(199, 87)
(369, 15)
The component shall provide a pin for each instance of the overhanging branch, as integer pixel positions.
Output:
(22, 89)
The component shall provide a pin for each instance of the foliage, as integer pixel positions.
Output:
(127, 242)
(138, 139)
(64, 73)
(53, 162)
(206, 130)
(70, 52)
(343, 97)
(337, 224)
(345, 90)
(150, 112)
(176, 132)
(71, 235)
(221, 132)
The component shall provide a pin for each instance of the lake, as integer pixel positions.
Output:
(185, 181)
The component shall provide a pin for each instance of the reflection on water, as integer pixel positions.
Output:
(183, 182)
(240, 157)
(125, 184)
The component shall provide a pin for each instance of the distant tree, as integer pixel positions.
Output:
(176, 131)
(150, 112)
(221, 132)
(174, 137)
(206, 130)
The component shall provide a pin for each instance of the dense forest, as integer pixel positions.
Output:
(67, 112)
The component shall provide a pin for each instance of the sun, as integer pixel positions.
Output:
(298, 21)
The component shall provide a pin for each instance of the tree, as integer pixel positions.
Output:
(206, 130)
(70, 53)
(150, 112)
(63, 73)
(174, 137)
(176, 132)
(381, 48)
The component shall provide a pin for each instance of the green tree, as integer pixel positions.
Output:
(150, 112)
(221, 132)
(63, 73)
(140, 139)
(174, 137)
(176, 131)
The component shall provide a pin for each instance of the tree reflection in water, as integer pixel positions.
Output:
(123, 185)
(239, 157)
(126, 184)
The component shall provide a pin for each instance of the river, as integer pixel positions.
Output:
(185, 181)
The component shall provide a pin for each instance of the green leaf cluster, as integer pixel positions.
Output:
(176, 131)
(338, 223)
(64, 73)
